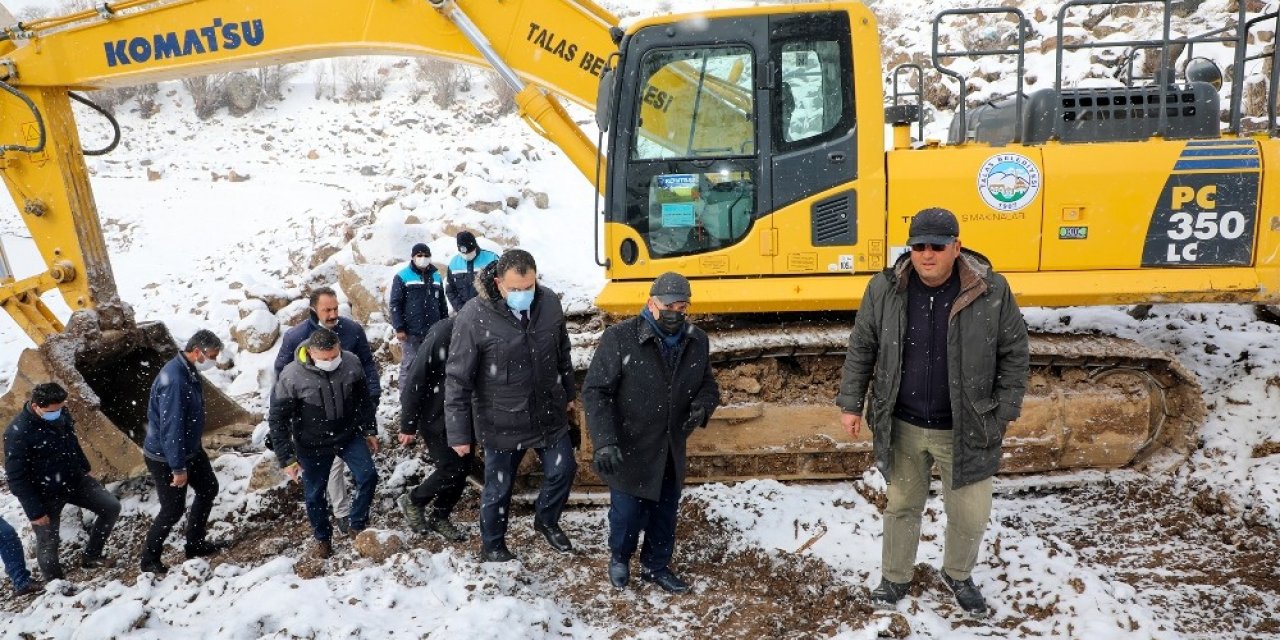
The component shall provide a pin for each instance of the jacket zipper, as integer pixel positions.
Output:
(928, 370)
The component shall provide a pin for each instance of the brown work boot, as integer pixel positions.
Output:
(321, 549)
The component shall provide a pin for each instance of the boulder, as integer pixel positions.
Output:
(266, 474)
(249, 306)
(366, 288)
(256, 332)
(378, 545)
(294, 313)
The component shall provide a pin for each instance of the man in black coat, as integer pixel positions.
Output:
(320, 410)
(649, 385)
(46, 470)
(509, 373)
(422, 412)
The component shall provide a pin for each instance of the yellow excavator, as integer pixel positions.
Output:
(746, 149)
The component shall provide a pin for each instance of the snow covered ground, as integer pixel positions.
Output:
(1192, 555)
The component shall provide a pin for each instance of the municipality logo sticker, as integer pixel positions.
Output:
(1008, 181)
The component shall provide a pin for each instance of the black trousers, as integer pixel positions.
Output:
(444, 487)
(173, 502)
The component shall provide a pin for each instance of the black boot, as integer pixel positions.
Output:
(619, 573)
(667, 580)
(153, 565)
(967, 595)
(555, 536)
(887, 595)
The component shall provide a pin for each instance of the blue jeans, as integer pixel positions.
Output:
(558, 469)
(315, 479)
(629, 515)
(15, 563)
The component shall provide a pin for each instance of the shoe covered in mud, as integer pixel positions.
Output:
(887, 595)
(32, 587)
(447, 529)
(412, 514)
(204, 548)
(619, 573)
(97, 562)
(967, 595)
(321, 549)
(666, 580)
(497, 554)
(149, 565)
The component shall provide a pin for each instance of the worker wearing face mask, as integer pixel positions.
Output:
(462, 270)
(321, 410)
(174, 455)
(416, 303)
(509, 373)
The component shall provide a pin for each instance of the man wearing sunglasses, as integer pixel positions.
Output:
(942, 345)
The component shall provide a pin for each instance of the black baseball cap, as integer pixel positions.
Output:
(670, 288)
(934, 226)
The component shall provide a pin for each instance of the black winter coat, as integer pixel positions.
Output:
(422, 391)
(314, 410)
(635, 401)
(513, 384)
(43, 461)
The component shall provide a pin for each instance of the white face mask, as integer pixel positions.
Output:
(421, 263)
(329, 365)
(206, 364)
(470, 255)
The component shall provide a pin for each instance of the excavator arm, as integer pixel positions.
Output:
(543, 49)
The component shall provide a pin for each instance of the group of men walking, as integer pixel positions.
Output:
(936, 368)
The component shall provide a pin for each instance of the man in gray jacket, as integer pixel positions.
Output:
(510, 374)
(321, 409)
(941, 343)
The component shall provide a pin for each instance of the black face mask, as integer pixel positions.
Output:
(671, 321)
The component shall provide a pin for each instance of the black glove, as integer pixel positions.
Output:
(608, 460)
(697, 418)
(575, 436)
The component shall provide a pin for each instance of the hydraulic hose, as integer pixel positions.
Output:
(39, 146)
(115, 125)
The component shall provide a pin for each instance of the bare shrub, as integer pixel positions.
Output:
(273, 78)
(208, 93)
(504, 93)
(446, 80)
(363, 80)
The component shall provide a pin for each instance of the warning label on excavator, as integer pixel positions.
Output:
(31, 137)
(802, 261)
(1203, 219)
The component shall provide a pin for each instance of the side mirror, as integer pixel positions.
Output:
(604, 101)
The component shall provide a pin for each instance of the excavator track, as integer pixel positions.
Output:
(1093, 402)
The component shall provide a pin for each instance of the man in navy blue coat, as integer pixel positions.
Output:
(47, 470)
(324, 313)
(174, 454)
(416, 302)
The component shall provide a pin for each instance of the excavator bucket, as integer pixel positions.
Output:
(108, 375)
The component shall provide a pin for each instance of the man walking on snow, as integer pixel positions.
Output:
(324, 313)
(942, 345)
(416, 302)
(510, 372)
(461, 272)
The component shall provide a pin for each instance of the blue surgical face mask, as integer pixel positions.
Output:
(520, 300)
(50, 416)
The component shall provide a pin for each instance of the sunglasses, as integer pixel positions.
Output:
(936, 248)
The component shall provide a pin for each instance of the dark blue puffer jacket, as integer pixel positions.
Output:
(417, 300)
(175, 414)
(43, 460)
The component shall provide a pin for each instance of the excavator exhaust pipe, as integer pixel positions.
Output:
(108, 374)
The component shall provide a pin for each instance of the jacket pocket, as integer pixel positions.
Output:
(986, 430)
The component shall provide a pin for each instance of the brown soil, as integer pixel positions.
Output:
(1204, 562)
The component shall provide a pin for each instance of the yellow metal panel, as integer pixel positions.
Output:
(1267, 255)
(1109, 189)
(957, 178)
